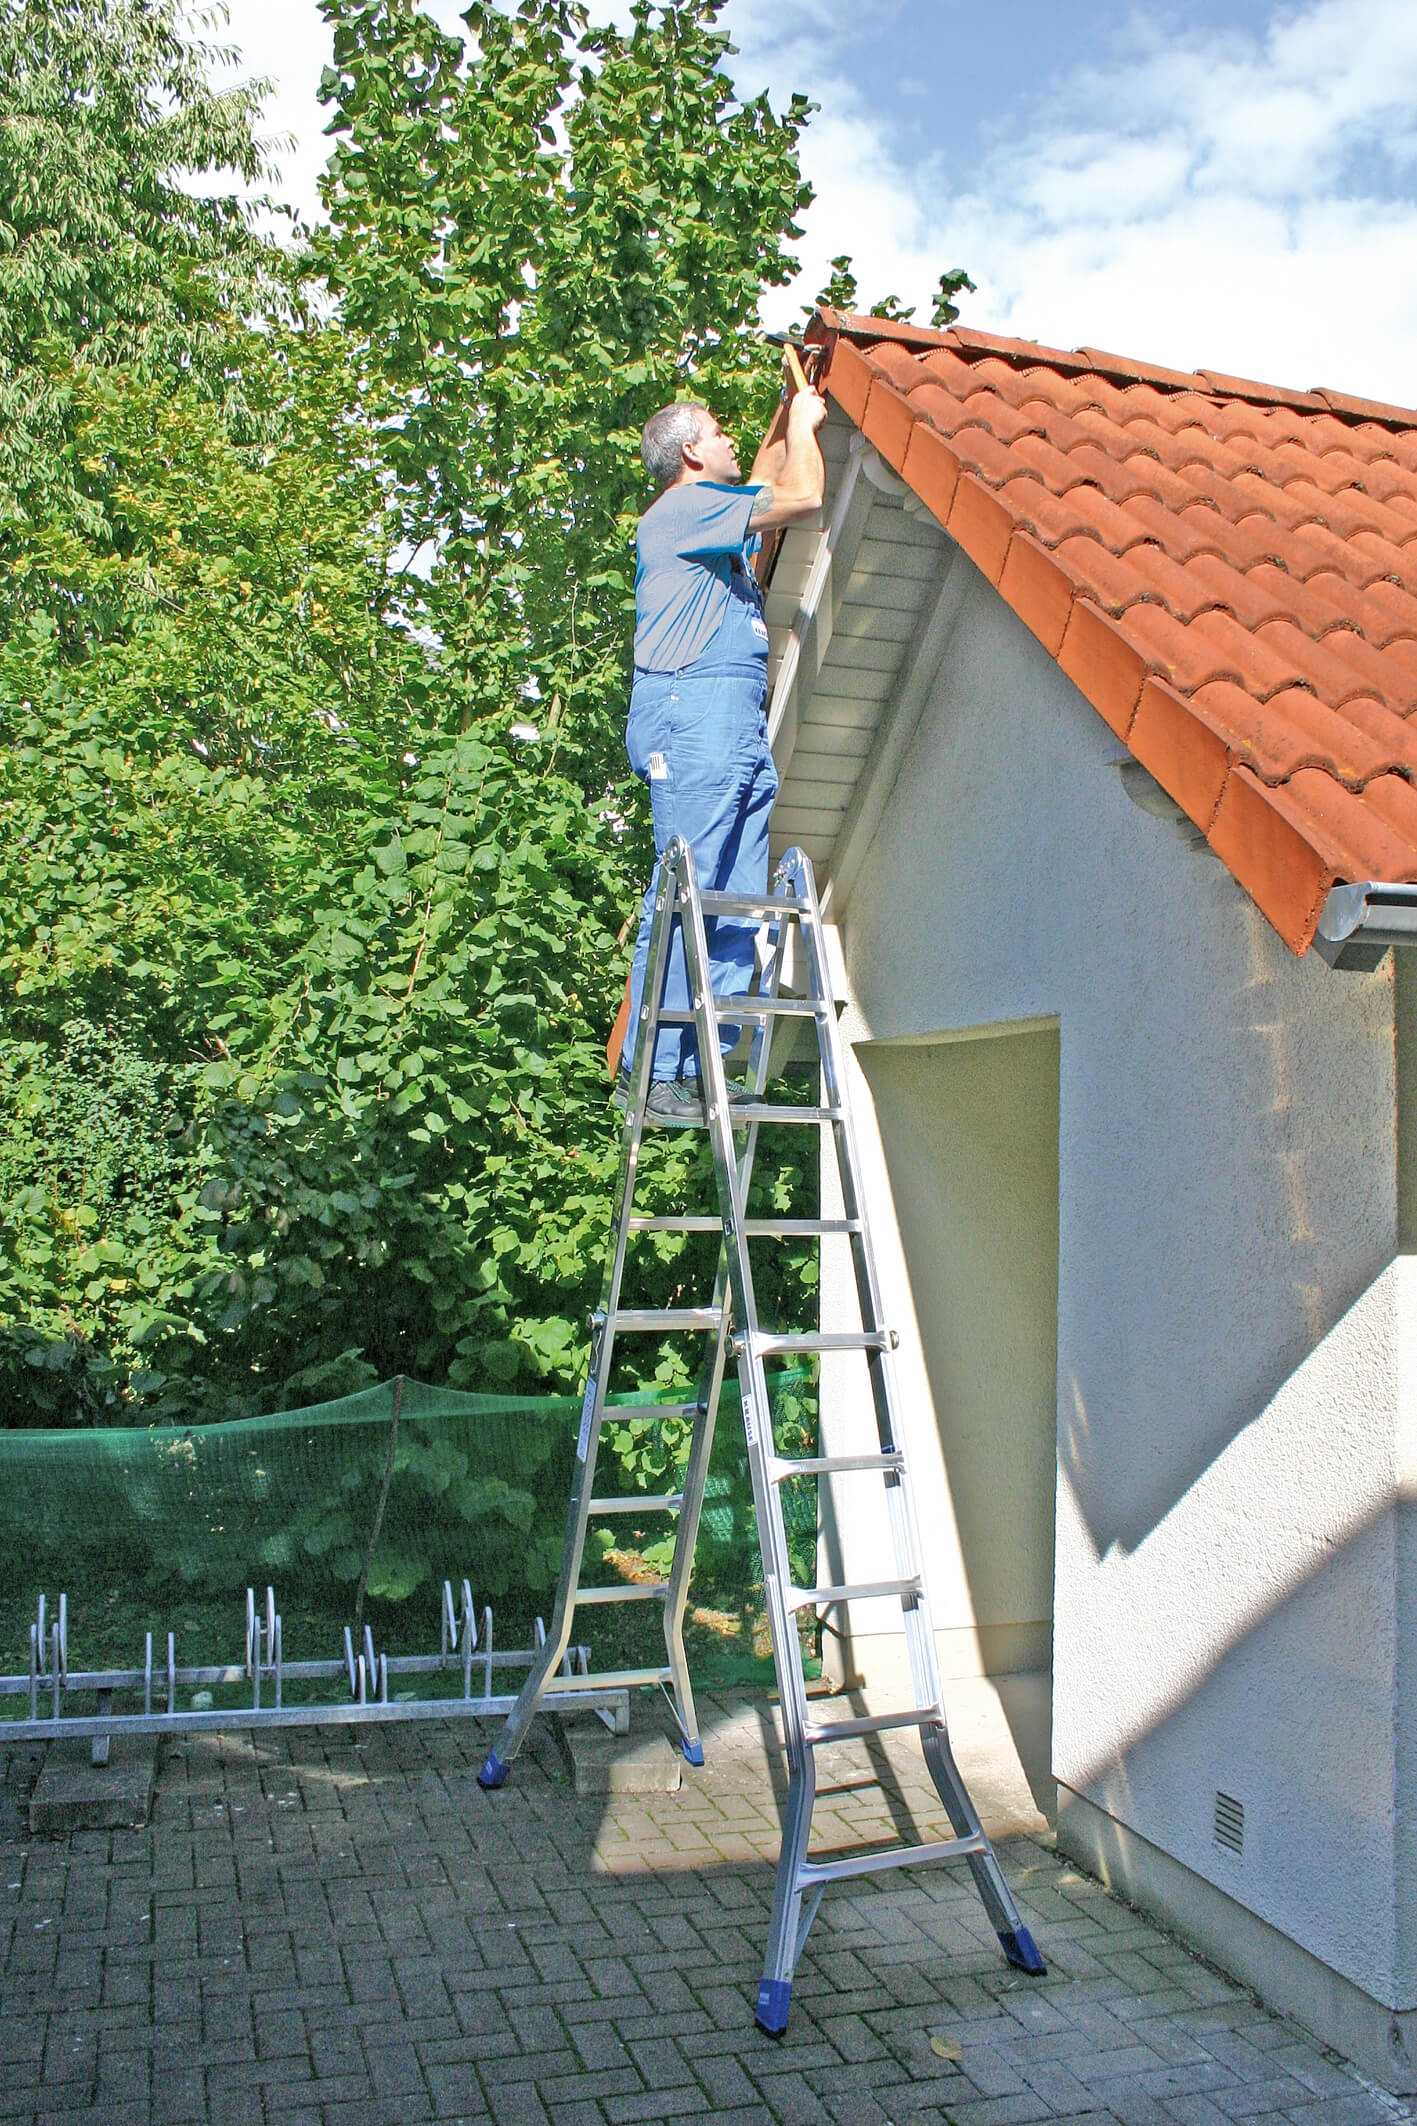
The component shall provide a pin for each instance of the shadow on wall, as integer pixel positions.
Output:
(1235, 1231)
(1251, 1531)
(969, 1130)
(970, 1134)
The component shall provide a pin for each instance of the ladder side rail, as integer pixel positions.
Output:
(993, 1890)
(686, 1527)
(785, 1929)
(509, 1742)
(656, 974)
(603, 1334)
(710, 1393)
(799, 881)
(752, 1373)
(757, 1404)
(833, 1060)
(900, 1510)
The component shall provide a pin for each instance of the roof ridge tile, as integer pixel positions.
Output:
(1244, 387)
(1121, 365)
(1365, 409)
(856, 325)
(1029, 351)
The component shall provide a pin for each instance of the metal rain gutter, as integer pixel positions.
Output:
(1358, 923)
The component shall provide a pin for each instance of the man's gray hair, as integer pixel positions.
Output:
(664, 436)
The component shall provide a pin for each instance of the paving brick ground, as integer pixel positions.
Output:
(339, 1928)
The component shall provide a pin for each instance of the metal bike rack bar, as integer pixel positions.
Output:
(369, 1679)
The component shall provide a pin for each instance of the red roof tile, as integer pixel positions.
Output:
(1226, 569)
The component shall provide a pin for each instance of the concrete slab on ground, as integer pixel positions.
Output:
(642, 1762)
(72, 1793)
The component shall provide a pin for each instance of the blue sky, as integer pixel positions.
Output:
(927, 66)
(1229, 183)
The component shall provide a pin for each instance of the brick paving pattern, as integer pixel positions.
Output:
(342, 1928)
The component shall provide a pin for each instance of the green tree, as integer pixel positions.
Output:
(945, 309)
(269, 836)
(106, 255)
(841, 293)
(538, 240)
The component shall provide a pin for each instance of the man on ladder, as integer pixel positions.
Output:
(697, 731)
(698, 736)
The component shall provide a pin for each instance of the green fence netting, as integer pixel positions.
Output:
(164, 1529)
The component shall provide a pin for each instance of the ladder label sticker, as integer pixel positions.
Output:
(587, 1413)
(750, 1421)
(658, 768)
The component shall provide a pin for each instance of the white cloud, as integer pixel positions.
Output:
(289, 43)
(1207, 199)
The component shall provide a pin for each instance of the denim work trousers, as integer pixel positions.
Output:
(699, 738)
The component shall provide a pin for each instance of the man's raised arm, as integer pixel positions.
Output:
(789, 475)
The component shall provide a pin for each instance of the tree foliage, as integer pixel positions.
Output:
(539, 240)
(842, 293)
(307, 957)
(104, 255)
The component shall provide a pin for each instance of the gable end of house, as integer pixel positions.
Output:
(1226, 570)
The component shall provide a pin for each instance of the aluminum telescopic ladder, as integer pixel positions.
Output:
(730, 1324)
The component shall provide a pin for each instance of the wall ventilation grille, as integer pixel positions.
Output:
(1230, 1823)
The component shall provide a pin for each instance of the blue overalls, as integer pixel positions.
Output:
(699, 738)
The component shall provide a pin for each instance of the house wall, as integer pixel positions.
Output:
(963, 1135)
(1235, 1321)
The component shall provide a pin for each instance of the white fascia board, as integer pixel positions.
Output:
(881, 768)
(816, 611)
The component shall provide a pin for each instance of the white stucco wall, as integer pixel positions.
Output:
(1234, 1331)
(963, 1137)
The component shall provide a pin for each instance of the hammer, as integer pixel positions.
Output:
(796, 374)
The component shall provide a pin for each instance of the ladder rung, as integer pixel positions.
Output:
(669, 1502)
(857, 1340)
(835, 1465)
(798, 1228)
(732, 1008)
(753, 1111)
(744, 904)
(654, 1593)
(615, 1410)
(674, 1225)
(812, 1872)
(650, 1318)
(753, 1228)
(874, 1724)
(866, 1591)
(608, 1679)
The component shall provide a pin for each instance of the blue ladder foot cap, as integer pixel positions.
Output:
(1022, 1951)
(693, 1752)
(774, 2000)
(494, 1772)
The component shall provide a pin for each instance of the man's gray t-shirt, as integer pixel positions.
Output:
(691, 558)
